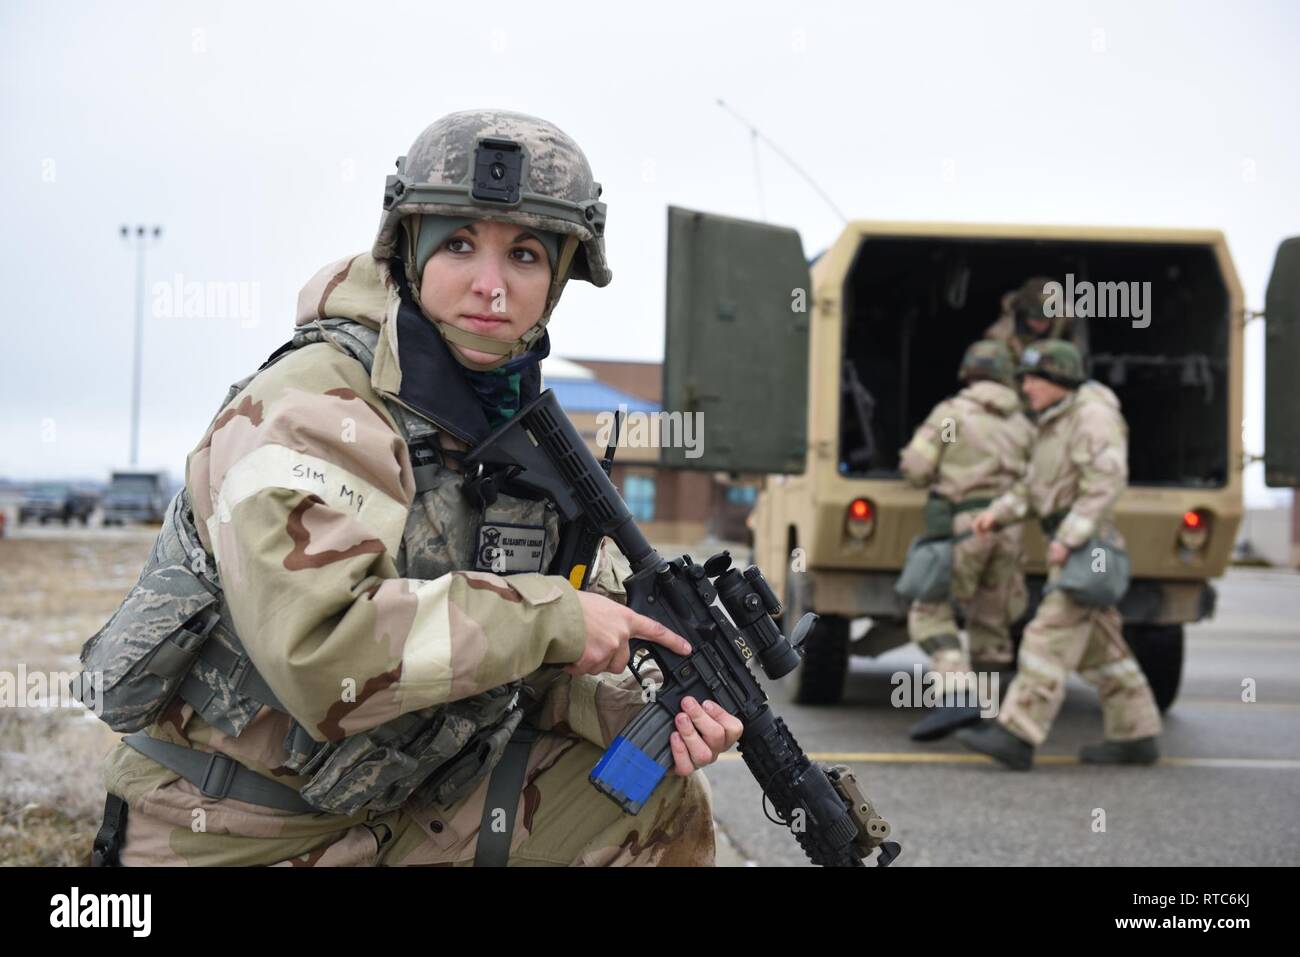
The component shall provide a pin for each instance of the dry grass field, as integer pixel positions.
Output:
(57, 588)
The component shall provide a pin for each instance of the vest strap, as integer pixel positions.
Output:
(493, 848)
(238, 668)
(111, 835)
(218, 775)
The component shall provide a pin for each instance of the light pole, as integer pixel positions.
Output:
(144, 238)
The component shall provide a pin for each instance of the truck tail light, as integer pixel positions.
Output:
(1195, 530)
(860, 519)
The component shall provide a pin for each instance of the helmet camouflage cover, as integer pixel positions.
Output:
(1030, 297)
(1055, 360)
(986, 359)
(495, 164)
(1030, 302)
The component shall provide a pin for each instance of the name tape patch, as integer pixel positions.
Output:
(506, 549)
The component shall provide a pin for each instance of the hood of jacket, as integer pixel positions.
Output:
(1094, 391)
(994, 396)
(1091, 392)
(412, 362)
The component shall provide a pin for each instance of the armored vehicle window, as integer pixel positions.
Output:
(913, 304)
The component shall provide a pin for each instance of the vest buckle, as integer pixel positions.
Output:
(218, 776)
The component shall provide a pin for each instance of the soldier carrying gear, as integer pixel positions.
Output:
(972, 448)
(331, 622)
(1078, 468)
(1025, 320)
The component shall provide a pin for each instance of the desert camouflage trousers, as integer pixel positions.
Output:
(1065, 636)
(988, 585)
(561, 820)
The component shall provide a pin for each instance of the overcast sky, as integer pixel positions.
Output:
(259, 136)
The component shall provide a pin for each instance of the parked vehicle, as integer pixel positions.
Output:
(58, 502)
(135, 496)
(844, 356)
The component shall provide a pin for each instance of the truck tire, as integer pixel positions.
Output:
(1159, 653)
(819, 679)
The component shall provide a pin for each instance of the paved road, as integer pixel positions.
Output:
(1227, 791)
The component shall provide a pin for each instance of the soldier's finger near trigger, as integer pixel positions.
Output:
(651, 630)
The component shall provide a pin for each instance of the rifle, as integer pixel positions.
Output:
(864, 405)
(539, 451)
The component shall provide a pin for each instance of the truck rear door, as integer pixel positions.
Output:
(736, 350)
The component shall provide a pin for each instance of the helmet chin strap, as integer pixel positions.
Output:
(509, 349)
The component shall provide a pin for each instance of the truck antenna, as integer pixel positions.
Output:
(755, 136)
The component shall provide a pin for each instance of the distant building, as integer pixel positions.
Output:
(672, 506)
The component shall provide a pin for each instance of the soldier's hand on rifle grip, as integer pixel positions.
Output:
(703, 732)
(984, 522)
(609, 628)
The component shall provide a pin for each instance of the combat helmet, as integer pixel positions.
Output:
(1055, 360)
(1030, 302)
(495, 164)
(986, 359)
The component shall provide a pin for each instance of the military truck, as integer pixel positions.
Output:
(135, 496)
(815, 374)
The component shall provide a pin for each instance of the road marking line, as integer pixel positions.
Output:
(1220, 703)
(1287, 641)
(1280, 764)
(917, 757)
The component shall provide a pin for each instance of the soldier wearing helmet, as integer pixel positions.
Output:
(970, 449)
(1025, 319)
(1078, 468)
(362, 642)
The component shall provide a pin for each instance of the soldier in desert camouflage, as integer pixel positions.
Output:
(1078, 468)
(1024, 320)
(968, 451)
(378, 649)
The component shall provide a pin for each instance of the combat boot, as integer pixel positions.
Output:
(991, 738)
(1137, 751)
(943, 721)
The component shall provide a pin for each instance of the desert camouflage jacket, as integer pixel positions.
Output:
(973, 445)
(1078, 468)
(355, 579)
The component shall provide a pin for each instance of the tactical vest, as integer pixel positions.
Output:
(174, 635)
